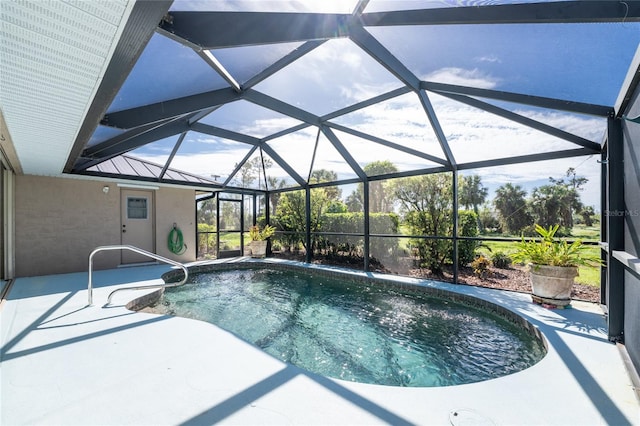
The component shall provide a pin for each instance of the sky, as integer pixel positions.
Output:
(582, 62)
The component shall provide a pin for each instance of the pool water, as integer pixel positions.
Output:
(356, 332)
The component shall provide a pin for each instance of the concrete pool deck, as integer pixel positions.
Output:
(66, 363)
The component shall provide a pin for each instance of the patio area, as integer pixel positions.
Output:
(64, 362)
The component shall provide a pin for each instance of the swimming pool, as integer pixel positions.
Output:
(357, 331)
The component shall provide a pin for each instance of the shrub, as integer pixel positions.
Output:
(383, 223)
(489, 220)
(501, 260)
(467, 227)
(341, 223)
(434, 253)
(481, 266)
(206, 238)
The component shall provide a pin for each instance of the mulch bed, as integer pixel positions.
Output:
(514, 278)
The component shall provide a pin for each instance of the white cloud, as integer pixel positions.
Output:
(268, 126)
(463, 77)
(342, 56)
(591, 128)
(490, 59)
(359, 91)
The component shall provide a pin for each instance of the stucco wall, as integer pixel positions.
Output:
(176, 206)
(59, 221)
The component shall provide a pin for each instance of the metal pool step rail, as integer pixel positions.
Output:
(140, 251)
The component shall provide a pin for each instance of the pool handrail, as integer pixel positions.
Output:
(140, 251)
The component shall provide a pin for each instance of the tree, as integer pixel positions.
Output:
(511, 205)
(323, 175)
(587, 214)
(574, 181)
(229, 216)
(468, 227)
(488, 218)
(546, 205)
(252, 170)
(568, 197)
(291, 215)
(379, 201)
(427, 204)
(336, 206)
(472, 194)
(206, 211)
(274, 197)
(554, 204)
(354, 202)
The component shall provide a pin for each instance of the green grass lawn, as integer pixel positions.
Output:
(231, 240)
(588, 275)
(586, 233)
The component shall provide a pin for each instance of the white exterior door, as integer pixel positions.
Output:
(137, 224)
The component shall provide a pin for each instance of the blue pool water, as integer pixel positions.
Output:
(353, 331)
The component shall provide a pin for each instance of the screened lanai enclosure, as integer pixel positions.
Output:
(358, 127)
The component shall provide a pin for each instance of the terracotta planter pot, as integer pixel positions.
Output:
(258, 248)
(552, 284)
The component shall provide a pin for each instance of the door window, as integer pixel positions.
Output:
(136, 208)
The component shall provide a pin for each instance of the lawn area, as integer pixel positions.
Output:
(231, 240)
(588, 275)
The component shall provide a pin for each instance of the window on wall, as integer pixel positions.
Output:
(136, 208)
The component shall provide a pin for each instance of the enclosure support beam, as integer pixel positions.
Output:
(218, 227)
(455, 225)
(437, 128)
(175, 149)
(129, 141)
(517, 118)
(254, 212)
(536, 13)
(282, 62)
(267, 214)
(239, 166)
(539, 101)
(233, 29)
(615, 229)
(604, 252)
(242, 225)
(365, 201)
(307, 212)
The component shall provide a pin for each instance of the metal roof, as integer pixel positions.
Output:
(127, 166)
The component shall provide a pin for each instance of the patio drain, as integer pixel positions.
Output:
(466, 417)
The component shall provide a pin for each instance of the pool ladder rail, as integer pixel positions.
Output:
(143, 287)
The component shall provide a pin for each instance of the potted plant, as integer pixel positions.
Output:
(553, 265)
(259, 237)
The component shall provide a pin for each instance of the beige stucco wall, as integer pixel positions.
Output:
(59, 221)
(176, 206)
